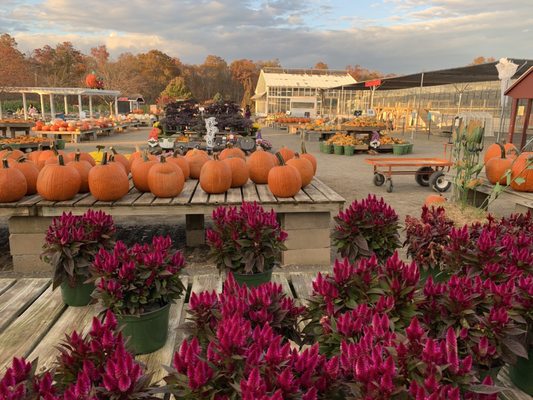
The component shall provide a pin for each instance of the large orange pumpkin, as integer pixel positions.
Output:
(284, 180)
(83, 167)
(197, 159)
(58, 182)
(139, 172)
(286, 153)
(239, 171)
(310, 157)
(10, 153)
(145, 154)
(121, 159)
(181, 162)
(46, 155)
(165, 179)
(231, 151)
(259, 165)
(215, 176)
(107, 182)
(304, 167)
(30, 172)
(434, 199)
(494, 151)
(13, 184)
(135, 155)
(34, 155)
(523, 168)
(82, 156)
(496, 167)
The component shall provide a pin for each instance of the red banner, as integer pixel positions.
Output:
(375, 82)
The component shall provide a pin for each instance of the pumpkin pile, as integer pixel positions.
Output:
(60, 125)
(341, 139)
(504, 164)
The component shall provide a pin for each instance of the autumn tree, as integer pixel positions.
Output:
(175, 90)
(360, 73)
(321, 65)
(14, 68)
(245, 72)
(482, 60)
(59, 66)
(156, 69)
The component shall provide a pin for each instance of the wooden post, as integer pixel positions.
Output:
(1, 109)
(90, 106)
(116, 106)
(52, 107)
(66, 104)
(526, 124)
(79, 105)
(24, 106)
(42, 105)
(512, 120)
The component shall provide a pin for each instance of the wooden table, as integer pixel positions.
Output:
(34, 320)
(523, 200)
(13, 127)
(75, 136)
(306, 217)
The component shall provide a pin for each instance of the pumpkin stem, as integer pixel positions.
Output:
(304, 150)
(145, 156)
(60, 159)
(100, 147)
(54, 149)
(296, 155)
(215, 156)
(5, 163)
(77, 156)
(229, 145)
(280, 158)
(176, 153)
(113, 150)
(163, 160)
(502, 148)
(21, 159)
(104, 158)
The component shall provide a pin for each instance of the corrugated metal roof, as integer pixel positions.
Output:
(307, 80)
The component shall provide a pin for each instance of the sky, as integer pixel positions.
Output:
(392, 36)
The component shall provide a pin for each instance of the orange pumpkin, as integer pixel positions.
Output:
(34, 155)
(239, 171)
(82, 156)
(304, 167)
(30, 172)
(215, 176)
(434, 199)
(121, 159)
(10, 153)
(259, 165)
(83, 167)
(111, 160)
(310, 157)
(135, 155)
(181, 162)
(107, 182)
(522, 168)
(58, 182)
(165, 179)
(496, 167)
(286, 153)
(284, 180)
(494, 151)
(49, 156)
(13, 184)
(197, 159)
(231, 151)
(139, 172)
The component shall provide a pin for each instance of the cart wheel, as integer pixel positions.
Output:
(422, 175)
(379, 179)
(438, 181)
(389, 185)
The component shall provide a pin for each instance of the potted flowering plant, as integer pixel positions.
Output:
(70, 245)
(247, 241)
(138, 284)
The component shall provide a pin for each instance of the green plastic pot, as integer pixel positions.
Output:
(521, 373)
(253, 280)
(399, 149)
(327, 148)
(409, 148)
(349, 150)
(77, 296)
(60, 144)
(146, 332)
(338, 150)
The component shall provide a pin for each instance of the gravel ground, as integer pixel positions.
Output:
(351, 177)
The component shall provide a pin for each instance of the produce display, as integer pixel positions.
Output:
(360, 122)
(259, 165)
(107, 182)
(304, 167)
(13, 186)
(60, 125)
(23, 140)
(292, 120)
(165, 179)
(284, 180)
(215, 176)
(343, 139)
(15, 121)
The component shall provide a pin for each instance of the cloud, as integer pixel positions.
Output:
(412, 35)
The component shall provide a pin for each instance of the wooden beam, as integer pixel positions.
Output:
(24, 106)
(512, 120)
(42, 106)
(79, 105)
(66, 104)
(90, 106)
(526, 123)
(52, 108)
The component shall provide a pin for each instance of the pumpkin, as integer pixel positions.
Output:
(197, 159)
(286, 153)
(523, 168)
(10, 153)
(139, 172)
(149, 156)
(231, 151)
(239, 171)
(259, 165)
(284, 180)
(165, 179)
(83, 167)
(135, 155)
(215, 176)
(107, 182)
(111, 160)
(58, 182)
(310, 157)
(494, 151)
(13, 186)
(304, 167)
(181, 162)
(30, 172)
(82, 156)
(496, 167)
(34, 155)
(121, 159)
(48, 154)
(434, 199)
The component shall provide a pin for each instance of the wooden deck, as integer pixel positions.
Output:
(33, 320)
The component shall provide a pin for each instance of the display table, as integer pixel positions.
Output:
(523, 200)
(12, 127)
(306, 217)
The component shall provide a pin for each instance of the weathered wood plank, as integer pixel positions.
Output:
(145, 200)
(163, 357)
(26, 331)
(316, 195)
(202, 283)
(162, 201)
(73, 318)
(285, 200)
(302, 197)
(249, 192)
(85, 202)
(282, 280)
(129, 199)
(29, 201)
(265, 195)
(6, 284)
(78, 197)
(327, 191)
(18, 297)
(217, 198)
(199, 196)
(45, 203)
(303, 284)
(234, 196)
(187, 192)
